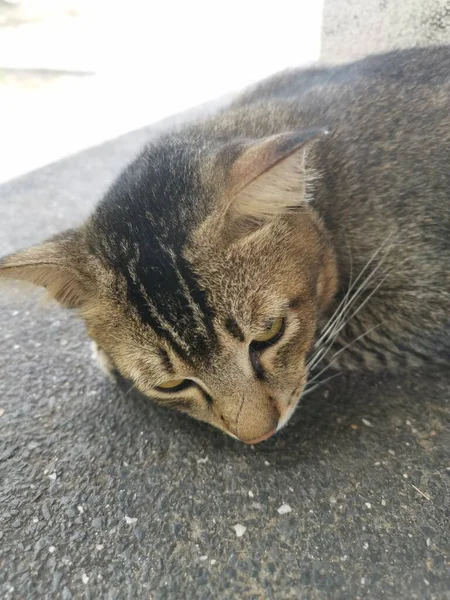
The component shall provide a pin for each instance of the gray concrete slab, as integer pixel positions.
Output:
(352, 29)
(104, 495)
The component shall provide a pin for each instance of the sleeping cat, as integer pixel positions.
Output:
(305, 225)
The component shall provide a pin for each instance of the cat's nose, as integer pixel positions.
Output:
(257, 419)
(262, 438)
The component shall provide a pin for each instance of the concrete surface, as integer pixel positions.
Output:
(352, 29)
(104, 495)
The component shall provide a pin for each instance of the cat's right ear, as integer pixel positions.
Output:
(60, 265)
(269, 176)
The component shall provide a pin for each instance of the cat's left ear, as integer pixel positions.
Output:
(269, 177)
(60, 265)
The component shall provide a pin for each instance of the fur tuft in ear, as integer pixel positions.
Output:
(269, 178)
(59, 265)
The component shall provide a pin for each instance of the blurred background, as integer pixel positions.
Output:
(74, 73)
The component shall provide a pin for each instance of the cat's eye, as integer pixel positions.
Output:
(174, 385)
(271, 334)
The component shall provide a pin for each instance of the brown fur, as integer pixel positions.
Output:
(256, 214)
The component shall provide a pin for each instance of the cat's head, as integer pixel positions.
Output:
(201, 275)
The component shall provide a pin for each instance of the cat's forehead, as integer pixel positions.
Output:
(161, 193)
(140, 230)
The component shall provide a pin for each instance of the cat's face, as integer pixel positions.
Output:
(210, 305)
(237, 360)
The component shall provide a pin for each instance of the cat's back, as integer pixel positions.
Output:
(427, 67)
(402, 97)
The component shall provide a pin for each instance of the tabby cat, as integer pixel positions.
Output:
(307, 223)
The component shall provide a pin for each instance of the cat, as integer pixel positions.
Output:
(306, 223)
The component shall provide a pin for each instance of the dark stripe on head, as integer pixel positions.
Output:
(257, 366)
(208, 398)
(166, 360)
(140, 304)
(199, 297)
(295, 302)
(141, 229)
(233, 328)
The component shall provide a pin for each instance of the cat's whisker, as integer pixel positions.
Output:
(347, 320)
(339, 321)
(321, 352)
(336, 315)
(317, 357)
(332, 320)
(357, 295)
(339, 352)
(308, 390)
(130, 390)
(367, 299)
(334, 325)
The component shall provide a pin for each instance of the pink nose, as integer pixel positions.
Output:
(262, 438)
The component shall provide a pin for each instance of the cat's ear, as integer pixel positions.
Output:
(269, 177)
(59, 265)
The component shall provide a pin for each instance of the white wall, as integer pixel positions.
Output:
(149, 59)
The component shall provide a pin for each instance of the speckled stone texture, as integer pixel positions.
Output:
(355, 28)
(105, 496)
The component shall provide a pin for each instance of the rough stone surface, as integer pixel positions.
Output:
(355, 28)
(104, 495)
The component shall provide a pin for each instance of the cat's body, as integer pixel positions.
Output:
(210, 271)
